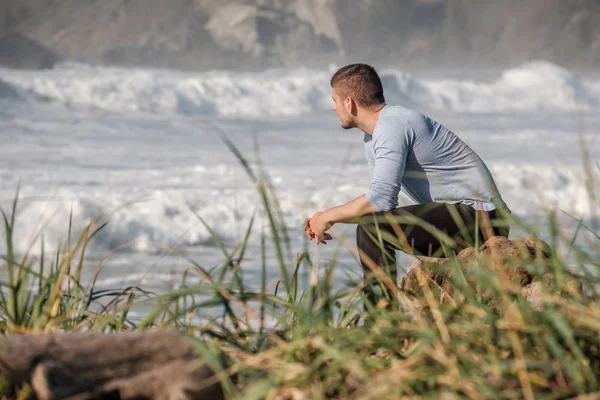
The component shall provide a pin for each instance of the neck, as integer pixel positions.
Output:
(369, 119)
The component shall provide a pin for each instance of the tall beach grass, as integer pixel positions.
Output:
(302, 337)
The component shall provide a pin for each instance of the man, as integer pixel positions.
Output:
(457, 202)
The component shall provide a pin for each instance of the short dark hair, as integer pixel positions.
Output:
(361, 82)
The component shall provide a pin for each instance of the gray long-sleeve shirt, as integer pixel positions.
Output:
(412, 152)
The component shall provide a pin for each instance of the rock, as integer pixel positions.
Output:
(266, 33)
(514, 261)
(397, 34)
(20, 52)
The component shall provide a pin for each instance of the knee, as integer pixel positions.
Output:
(361, 235)
(365, 235)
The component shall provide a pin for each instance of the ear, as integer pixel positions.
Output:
(350, 105)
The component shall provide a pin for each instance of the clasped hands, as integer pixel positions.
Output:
(315, 228)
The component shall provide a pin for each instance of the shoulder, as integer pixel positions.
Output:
(394, 121)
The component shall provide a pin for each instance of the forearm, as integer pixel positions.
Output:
(349, 212)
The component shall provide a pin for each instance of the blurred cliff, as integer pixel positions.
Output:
(239, 34)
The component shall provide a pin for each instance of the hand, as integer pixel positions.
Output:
(317, 225)
(310, 235)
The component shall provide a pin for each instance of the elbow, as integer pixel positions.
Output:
(383, 200)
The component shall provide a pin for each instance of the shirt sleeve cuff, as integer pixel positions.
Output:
(372, 201)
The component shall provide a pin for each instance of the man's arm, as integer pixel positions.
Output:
(350, 212)
(391, 147)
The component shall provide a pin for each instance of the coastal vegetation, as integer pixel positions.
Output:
(302, 337)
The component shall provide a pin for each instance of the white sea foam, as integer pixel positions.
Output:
(10, 92)
(170, 218)
(151, 224)
(276, 93)
(151, 177)
(533, 86)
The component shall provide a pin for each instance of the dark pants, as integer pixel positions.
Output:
(431, 229)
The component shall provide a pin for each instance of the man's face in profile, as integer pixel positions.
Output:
(340, 106)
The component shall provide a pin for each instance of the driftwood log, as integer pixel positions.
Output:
(160, 364)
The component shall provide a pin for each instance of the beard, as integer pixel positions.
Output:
(348, 123)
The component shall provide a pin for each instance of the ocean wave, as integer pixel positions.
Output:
(165, 219)
(275, 93)
(533, 86)
(9, 91)
(149, 224)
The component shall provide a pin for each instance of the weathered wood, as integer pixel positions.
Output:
(129, 365)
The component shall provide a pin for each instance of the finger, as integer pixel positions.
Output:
(306, 222)
(327, 236)
(320, 238)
